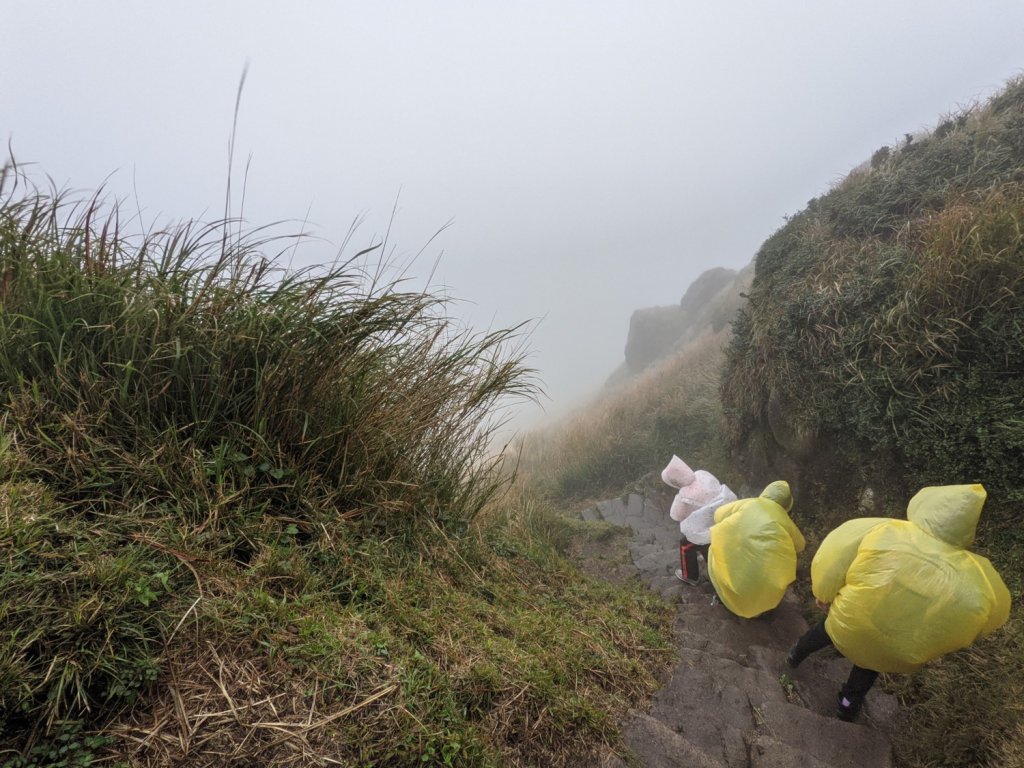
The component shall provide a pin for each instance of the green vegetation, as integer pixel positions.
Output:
(888, 313)
(988, 730)
(249, 515)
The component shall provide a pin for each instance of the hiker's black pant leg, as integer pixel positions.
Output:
(688, 557)
(814, 639)
(860, 679)
(857, 685)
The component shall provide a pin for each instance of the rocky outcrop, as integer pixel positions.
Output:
(653, 332)
(730, 701)
(711, 301)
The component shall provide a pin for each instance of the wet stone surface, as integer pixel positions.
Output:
(730, 699)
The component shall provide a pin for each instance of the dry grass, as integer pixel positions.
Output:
(218, 709)
(966, 708)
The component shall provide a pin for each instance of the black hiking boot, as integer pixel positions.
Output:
(847, 710)
(679, 575)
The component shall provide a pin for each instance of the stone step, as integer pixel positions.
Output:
(720, 705)
(710, 645)
(670, 591)
(731, 700)
(635, 510)
(655, 745)
(657, 513)
(819, 678)
(758, 657)
(777, 629)
(611, 510)
(766, 752)
(655, 536)
(711, 700)
(639, 548)
(658, 563)
(828, 739)
(634, 503)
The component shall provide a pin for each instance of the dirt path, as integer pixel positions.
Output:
(731, 700)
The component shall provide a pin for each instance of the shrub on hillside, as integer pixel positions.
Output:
(886, 318)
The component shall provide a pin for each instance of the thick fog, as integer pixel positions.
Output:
(593, 158)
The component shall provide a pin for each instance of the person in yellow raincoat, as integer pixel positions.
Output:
(902, 592)
(754, 544)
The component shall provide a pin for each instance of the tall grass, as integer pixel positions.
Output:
(252, 516)
(141, 368)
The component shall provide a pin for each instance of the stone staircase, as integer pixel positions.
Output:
(730, 701)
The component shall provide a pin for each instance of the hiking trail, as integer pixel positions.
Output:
(730, 700)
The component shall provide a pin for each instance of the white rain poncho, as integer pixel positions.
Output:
(700, 494)
(903, 592)
(754, 545)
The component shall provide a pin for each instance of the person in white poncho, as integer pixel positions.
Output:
(699, 495)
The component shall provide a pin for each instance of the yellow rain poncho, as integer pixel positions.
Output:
(753, 551)
(907, 591)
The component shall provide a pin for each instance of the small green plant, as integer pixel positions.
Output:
(66, 746)
(146, 587)
(789, 688)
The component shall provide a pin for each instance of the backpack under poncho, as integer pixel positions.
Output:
(903, 592)
(754, 544)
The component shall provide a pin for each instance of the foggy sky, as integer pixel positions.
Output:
(594, 157)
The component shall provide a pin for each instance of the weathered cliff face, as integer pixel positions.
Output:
(710, 301)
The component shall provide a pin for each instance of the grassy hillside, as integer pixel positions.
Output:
(644, 417)
(249, 516)
(887, 314)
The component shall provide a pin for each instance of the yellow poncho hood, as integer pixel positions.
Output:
(948, 512)
(903, 592)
